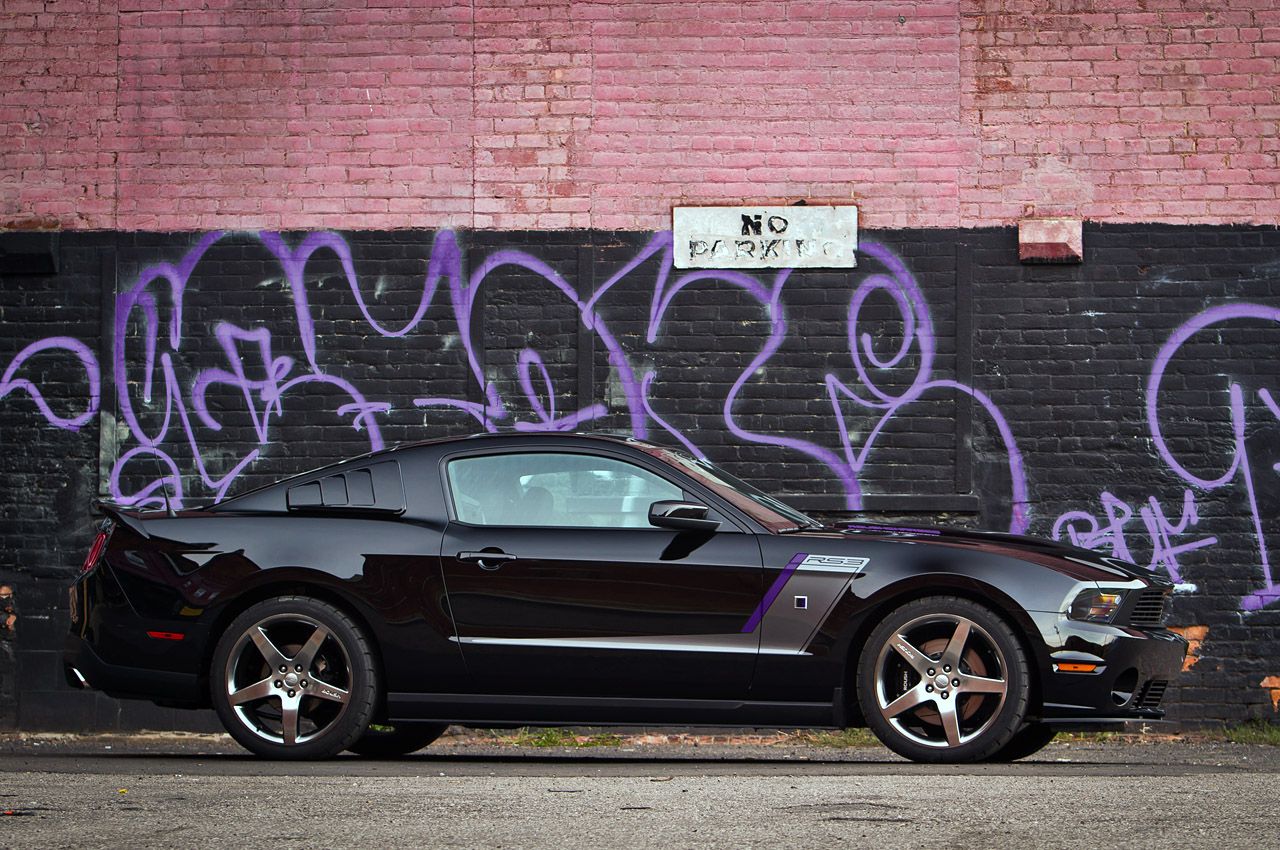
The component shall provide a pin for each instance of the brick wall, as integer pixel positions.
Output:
(839, 102)
(51, 474)
(1020, 403)
(567, 129)
(1160, 111)
(58, 83)
(138, 115)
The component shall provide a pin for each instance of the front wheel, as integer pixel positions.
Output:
(944, 679)
(294, 678)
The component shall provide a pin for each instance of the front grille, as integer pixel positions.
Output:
(1149, 611)
(1151, 694)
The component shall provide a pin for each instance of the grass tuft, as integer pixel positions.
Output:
(1255, 732)
(1102, 737)
(551, 738)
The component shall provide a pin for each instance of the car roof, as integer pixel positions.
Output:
(499, 437)
(566, 438)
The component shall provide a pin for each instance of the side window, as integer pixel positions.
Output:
(554, 489)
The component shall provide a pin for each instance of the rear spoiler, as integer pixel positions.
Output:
(124, 516)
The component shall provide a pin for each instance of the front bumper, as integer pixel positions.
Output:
(1134, 668)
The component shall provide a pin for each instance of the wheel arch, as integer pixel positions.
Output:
(935, 584)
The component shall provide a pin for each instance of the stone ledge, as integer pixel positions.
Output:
(1051, 240)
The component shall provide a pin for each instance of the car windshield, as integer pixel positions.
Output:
(769, 511)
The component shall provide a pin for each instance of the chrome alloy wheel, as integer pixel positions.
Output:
(941, 680)
(288, 679)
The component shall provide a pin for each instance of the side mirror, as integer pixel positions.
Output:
(682, 516)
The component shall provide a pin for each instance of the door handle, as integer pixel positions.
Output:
(487, 560)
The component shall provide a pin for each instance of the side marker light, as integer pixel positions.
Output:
(1074, 667)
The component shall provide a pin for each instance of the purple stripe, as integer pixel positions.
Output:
(780, 583)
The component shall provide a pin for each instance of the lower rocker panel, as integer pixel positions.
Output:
(566, 711)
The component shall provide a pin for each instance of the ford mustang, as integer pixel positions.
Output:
(567, 579)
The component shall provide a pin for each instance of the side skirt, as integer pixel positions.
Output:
(606, 711)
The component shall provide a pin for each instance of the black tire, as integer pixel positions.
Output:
(943, 679)
(386, 742)
(1029, 740)
(294, 678)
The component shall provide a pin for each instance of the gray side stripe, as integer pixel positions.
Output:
(675, 643)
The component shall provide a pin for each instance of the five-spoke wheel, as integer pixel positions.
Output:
(943, 679)
(293, 677)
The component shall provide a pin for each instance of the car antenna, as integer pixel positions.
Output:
(164, 487)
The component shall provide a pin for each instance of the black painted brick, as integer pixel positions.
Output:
(1065, 352)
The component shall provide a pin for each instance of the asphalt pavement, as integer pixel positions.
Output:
(180, 791)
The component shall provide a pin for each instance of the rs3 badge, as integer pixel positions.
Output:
(833, 563)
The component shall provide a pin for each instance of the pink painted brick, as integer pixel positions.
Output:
(374, 115)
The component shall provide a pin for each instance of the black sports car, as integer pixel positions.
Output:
(557, 579)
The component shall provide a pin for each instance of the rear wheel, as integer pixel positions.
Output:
(399, 740)
(294, 678)
(944, 679)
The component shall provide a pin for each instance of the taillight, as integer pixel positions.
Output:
(95, 551)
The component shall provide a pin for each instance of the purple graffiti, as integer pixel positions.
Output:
(647, 382)
(1111, 531)
(263, 397)
(1239, 466)
(159, 410)
(163, 413)
(770, 299)
(917, 325)
(917, 329)
(10, 381)
(548, 421)
(617, 357)
(172, 482)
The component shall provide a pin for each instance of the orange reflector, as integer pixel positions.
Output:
(166, 635)
(1073, 667)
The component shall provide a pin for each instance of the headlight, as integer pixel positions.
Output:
(1096, 606)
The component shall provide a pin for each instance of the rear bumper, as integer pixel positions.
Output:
(84, 668)
(113, 649)
(1133, 669)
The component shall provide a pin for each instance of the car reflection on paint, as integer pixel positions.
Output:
(561, 579)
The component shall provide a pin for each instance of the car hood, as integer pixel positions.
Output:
(1081, 564)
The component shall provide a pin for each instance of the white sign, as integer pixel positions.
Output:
(765, 237)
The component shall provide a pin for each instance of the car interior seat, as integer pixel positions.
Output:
(537, 506)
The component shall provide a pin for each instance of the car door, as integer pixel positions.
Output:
(558, 584)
